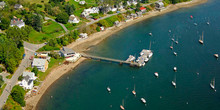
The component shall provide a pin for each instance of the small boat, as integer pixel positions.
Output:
(175, 53)
(195, 24)
(108, 89)
(216, 55)
(171, 47)
(212, 84)
(143, 100)
(207, 23)
(176, 40)
(122, 106)
(201, 39)
(150, 34)
(175, 69)
(134, 92)
(191, 17)
(174, 82)
(156, 74)
(172, 39)
(169, 31)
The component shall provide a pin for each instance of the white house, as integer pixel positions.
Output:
(74, 58)
(83, 35)
(41, 64)
(18, 6)
(67, 52)
(28, 80)
(88, 11)
(102, 28)
(73, 19)
(114, 9)
(159, 5)
(2, 4)
(17, 22)
(82, 2)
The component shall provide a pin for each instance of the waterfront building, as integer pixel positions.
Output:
(28, 80)
(159, 5)
(41, 64)
(73, 19)
(67, 52)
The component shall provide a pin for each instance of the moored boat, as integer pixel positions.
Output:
(216, 55)
(212, 84)
(156, 74)
(175, 53)
(122, 106)
(143, 100)
(175, 69)
(201, 39)
(108, 89)
(134, 92)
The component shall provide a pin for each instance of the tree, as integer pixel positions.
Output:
(69, 9)
(37, 23)
(62, 18)
(35, 70)
(138, 6)
(18, 94)
(4, 23)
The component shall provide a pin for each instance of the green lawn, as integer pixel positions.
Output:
(11, 104)
(37, 1)
(50, 30)
(79, 8)
(2, 88)
(52, 64)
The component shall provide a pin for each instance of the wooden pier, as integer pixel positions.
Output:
(110, 60)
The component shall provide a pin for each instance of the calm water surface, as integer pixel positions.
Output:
(86, 87)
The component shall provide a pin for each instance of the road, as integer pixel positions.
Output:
(29, 51)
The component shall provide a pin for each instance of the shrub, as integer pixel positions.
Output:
(110, 12)
(98, 29)
(20, 78)
(17, 94)
(35, 70)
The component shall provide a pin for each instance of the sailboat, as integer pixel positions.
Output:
(143, 100)
(156, 74)
(122, 106)
(174, 82)
(108, 89)
(216, 55)
(212, 84)
(176, 40)
(171, 47)
(175, 53)
(150, 52)
(134, 92)
(175, 69)
(201, 39)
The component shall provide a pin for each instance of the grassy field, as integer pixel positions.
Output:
(50, 30)
(37, 1)
(52, 64)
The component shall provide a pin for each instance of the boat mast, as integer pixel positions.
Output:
(123, 102)
(150, 45)
(202, 35)
(134, 87)
(214, 82)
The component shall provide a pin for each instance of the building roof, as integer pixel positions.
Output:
(142, 8)
(2, 3)
(30, 74)
(39, 62)
(16, 21)
(17, 6)
(160, 3)
(66, 50)
(26, 78)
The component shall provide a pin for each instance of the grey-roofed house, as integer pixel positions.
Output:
(17, 22)
(18, 6)
(2, 4)
(41, 64)
(67, 52)
(159, 5)
(28, 78)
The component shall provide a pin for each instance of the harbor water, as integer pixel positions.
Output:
(84, 88)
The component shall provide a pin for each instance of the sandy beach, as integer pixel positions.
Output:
(92, 40)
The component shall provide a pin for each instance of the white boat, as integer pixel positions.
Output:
(195, 24)
(201, 39)
(216, 55)
(122, 106)
(134, 92)
(156, 74)
(172, 39)
(150, 34)
(146, 60)
(175, 53)
(171, 47)
(212, 84)
(174, 82)
(143, 100)
(169, 31)
(108, 89)
(175, 68)
(176, 40)
(207, 23)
